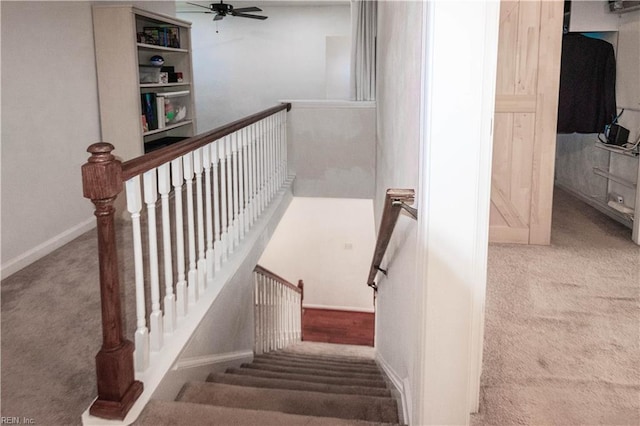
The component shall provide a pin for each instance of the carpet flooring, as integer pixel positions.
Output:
(562, 334)
(310, 401)
(561, 338)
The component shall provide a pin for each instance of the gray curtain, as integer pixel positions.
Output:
(364, 15)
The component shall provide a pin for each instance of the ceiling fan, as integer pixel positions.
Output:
(223, 9)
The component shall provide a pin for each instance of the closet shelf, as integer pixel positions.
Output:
(606, 174)
(617, 150)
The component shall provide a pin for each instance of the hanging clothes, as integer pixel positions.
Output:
(587, 99)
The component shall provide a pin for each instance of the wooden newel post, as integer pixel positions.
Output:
(301, 287)
(117, 387)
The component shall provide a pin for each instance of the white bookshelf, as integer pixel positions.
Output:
(118, 57)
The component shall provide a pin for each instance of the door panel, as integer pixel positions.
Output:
(525, 121)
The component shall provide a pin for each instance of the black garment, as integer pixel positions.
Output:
(587, 85)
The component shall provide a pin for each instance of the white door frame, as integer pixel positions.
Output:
(460, 40)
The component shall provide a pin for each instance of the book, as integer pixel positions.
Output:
(160, 111)
(149, 109)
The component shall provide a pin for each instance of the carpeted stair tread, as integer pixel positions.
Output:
(171, 413)
(317, 364)
(264, 382)
(358, 407)
(315, 372)
(307, 378)
(334, 358)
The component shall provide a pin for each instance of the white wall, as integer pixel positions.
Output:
(249, 65)
(398, 158)
(331, 148)
(328, 243)
(429, 308)
(50, 105)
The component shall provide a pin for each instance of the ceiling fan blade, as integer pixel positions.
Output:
(199, 5)
(218, 17)
(247, 9)
(192, 11)
(244, 15)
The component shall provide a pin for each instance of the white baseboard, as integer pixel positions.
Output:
(338, 308)
(210, 360)
(17, 263)
(401, 385)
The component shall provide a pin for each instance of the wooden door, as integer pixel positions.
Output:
(525, 121)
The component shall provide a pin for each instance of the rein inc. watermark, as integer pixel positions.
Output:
(17, 420)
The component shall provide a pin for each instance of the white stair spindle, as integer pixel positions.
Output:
(156, 332)
(217, 245)
(261, 167)
(244, 184)
(252, 201)
(230, 218)
(134, 206)
(209, 255)
(285, 160)
(272, 183)
(182, 301)
(236, 190)
(224, 237)
(192, 275)
(202, 262)
(276, 117)
(256, 315)
(164, 187)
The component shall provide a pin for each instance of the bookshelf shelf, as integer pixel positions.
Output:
(160, 85)
(169, 127)
(124, 99)
(145, 46)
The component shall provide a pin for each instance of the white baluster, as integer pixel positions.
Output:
(244, 183)
(236, 190)
(202, 262)
(134, 206)
(192, 276)
(177, 177)
(276, 118)
(285, 160)
(251, 153)
(230, 218)
(206, 160)
(164, 187)
(222, 145)
(265, 327)
(149, 180)
(261, 167)
(271, 158)
(217, 246)
(256, 309)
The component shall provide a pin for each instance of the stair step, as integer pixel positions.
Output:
(170, 413)
(313, 371)
(357, 407)
(366, 368)
(329, 358)
(264, 382)
(308, 378)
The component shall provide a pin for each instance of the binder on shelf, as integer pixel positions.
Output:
(149, 109)
(160, 111)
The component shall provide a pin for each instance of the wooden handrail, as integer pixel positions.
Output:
(144, 163)
(264, 271)
(395, 201)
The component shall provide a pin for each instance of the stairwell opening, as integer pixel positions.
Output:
(328, 243)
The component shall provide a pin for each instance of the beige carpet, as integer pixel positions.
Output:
(562, 338)
(327, 386)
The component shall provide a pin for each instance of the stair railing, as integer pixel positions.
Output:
(395, 201)
(235, 170)
(278, 311)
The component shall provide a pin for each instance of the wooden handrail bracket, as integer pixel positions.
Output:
(395, 201)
